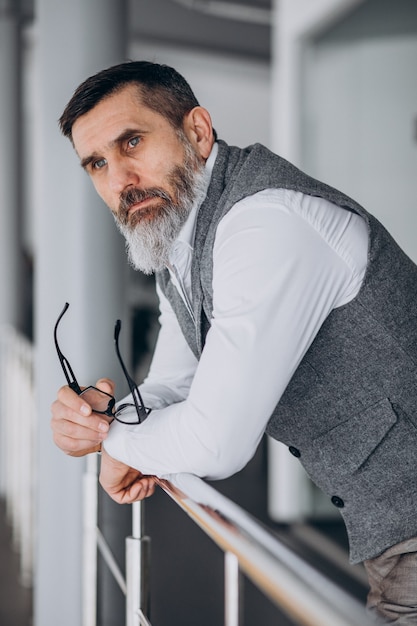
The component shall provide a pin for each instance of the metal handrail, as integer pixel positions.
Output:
(297, 588)
(300, 590)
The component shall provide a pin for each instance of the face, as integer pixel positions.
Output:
(147, 172)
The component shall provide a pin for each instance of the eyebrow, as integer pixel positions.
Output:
(126, 134)
(86, 162)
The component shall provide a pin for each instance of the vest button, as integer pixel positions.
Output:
(338, 502)
(295, 452)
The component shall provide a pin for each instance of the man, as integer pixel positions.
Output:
(285, 307)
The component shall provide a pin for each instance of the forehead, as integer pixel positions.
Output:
(113, 115)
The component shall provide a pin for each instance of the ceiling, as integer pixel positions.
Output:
(240, 27)
(202, 24)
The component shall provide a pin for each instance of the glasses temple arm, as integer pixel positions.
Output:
(133, 387)
(66, 367)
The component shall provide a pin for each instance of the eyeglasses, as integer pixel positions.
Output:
(100, 401)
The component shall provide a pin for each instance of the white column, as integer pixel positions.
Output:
(80, 259)
(294, 21)
(10, 123)
(290, 494)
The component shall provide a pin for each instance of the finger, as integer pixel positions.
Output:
(67, 421)
(150, 486)
(139, 489)
(75, 439)
(76, 447)
(94, 430)
(70, 399)
(107, 385)
(143, 488)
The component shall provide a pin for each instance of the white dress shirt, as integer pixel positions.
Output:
(281, 262)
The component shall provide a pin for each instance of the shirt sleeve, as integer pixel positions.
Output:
(275, 280)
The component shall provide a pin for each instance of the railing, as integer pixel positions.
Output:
(17, 429)
(293, 585)
(299, 590)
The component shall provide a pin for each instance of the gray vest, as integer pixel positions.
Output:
(349, 412)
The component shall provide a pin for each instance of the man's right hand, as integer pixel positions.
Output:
(76, 429)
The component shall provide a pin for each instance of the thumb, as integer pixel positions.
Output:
(107, 385)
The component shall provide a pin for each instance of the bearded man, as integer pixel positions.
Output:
(285, 307)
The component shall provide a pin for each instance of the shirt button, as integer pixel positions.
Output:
(338, 502)
(295, 452)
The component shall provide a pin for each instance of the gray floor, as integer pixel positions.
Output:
(15, 600)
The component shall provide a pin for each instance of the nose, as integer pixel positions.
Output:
(122, 175)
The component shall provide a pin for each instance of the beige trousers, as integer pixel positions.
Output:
(393, 584)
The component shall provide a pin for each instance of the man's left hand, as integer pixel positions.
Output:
(124, 484)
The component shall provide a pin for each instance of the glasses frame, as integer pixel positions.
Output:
(141, 411)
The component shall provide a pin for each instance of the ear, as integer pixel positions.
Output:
(199, 130)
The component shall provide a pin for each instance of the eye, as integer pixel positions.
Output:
(133, 142)
(97, 165)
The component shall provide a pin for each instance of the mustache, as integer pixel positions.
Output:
(133, 195)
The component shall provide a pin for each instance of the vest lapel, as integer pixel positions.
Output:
(226, 160)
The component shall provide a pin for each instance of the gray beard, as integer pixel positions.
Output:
(149, 241)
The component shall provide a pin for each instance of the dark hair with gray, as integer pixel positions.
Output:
(160, 87)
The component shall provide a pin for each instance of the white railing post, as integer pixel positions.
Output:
(90, 512)
(137, 570)
(17, 436)
(231, 590)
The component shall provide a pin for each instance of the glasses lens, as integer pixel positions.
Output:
(99, 401)
(127, 414)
